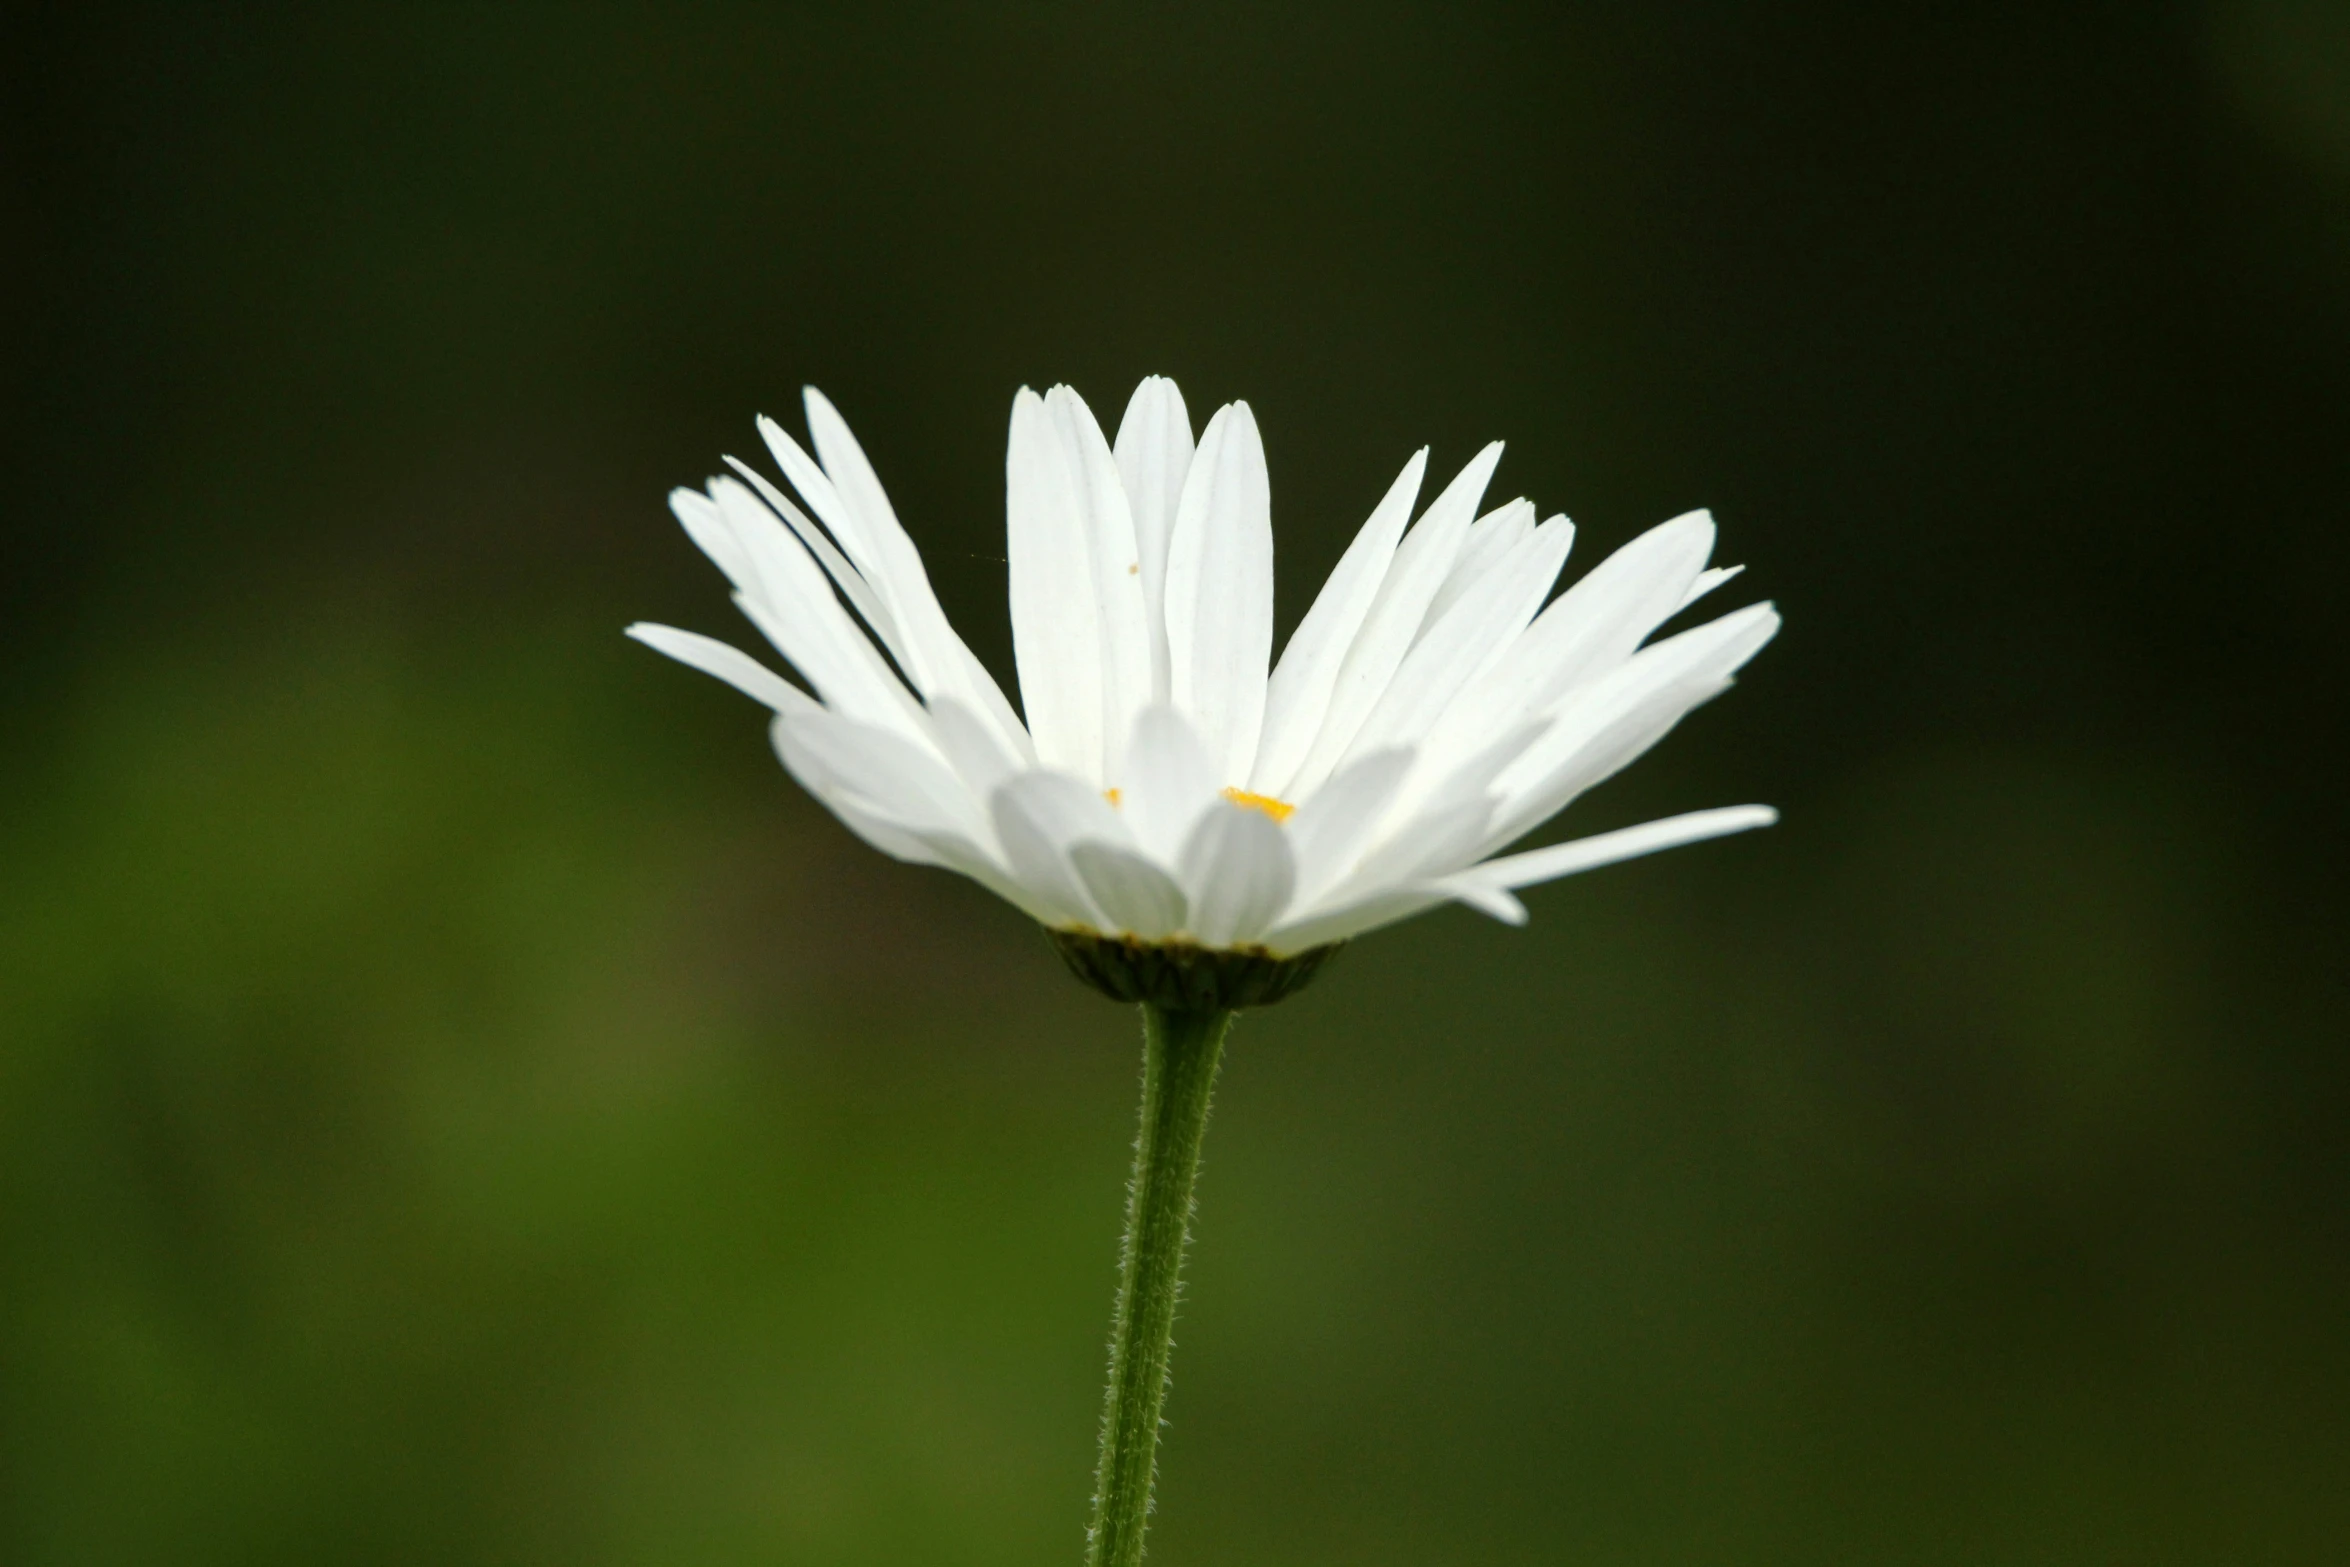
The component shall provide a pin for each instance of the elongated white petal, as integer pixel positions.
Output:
(859, 489)
(1421, 564)
(1056, 622)
(1166, 782)
(824, 499)
(1708, 580)
(1039, 817)
(1611, 609)
(983, 696)
(1582, 635)
(1299, 695)
(1671, 671)
(1493, 902)
(793, 605)
(918, 839)
(901, 781)
(1360, 917)
(737, 668)
(1237, 871)
(848, 675)
(1318, 927)
(1134, 895)
(1565, 859)
(1603, 729)
(1331, 829)
(1220, 592)
(780, 568)
(847, 493)
(1116, 563)
(714, 536)
(1433, 843)
(1454, 781)
(1154, 455)
(1626, 596)
(1491, 537)
(853, 811)
(847, 578)
(972, 747)
(790, 600)
(1467, 639)
(1599, 749)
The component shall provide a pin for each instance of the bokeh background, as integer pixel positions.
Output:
(460, 1103)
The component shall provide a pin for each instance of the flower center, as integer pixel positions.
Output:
(1277, 809)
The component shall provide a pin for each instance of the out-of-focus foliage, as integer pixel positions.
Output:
(459, 1103)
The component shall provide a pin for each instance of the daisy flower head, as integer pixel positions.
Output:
(1195, 822)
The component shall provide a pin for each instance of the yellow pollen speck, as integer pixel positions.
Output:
(1134, 570)
(1111, 795)
(1277, 809)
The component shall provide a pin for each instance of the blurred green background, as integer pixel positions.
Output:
(460, 1103)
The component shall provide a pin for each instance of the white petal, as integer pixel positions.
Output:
(934, 656)
(794, 606)
(1621, 600)
(1429, 831)
(1421, 564)
(1039, 817)
(1299, 696)
(1600, 619)
(900, 780)
(831, 508)
(1556, 861)
(1154, 454)
(1582, 635)
(846, 577)
(1707, 580)
(773, 570)
(846, 670)
(972, 747)
(859, 490)
(882, 832)
(1491, 537)
(1125, 652)
(1606, 726)
(980, 693)
(809, 759)
(780, 568)
(1494, 902)
(714, 536)
(1165, 783)
(1435, 843)
(1593, 753)
(1220, 592)
(737, 668)
(1319, 927)
(1237, 871)
(1466, 640)
(1430, 790)
(1137, 897)
(1332, 828)
(1056, 631)
(1565, 859)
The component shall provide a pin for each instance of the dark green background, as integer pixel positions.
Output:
(459, 1103)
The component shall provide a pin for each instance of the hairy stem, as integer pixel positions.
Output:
(1180, 1054)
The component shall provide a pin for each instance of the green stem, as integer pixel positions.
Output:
(1180, 1054)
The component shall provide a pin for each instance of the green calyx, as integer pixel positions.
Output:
(1186, 978)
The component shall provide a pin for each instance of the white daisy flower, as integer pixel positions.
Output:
(1174, 794)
